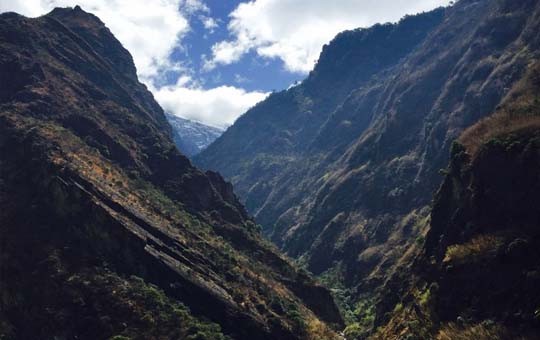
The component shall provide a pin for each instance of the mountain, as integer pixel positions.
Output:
(108, 232)
(340, 170)
(478, 272)
(192, 137)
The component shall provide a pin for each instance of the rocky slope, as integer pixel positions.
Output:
(341, 169)
(192, 137)
(107, 230)
(478, 273)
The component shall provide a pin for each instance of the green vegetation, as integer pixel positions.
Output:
(97, 303)
(425, 297)
(333, 279)
(143, 308)
(296, 318)
(365, 313)
(361, 319)
(398, 307)
(353, 331)
(358, 313)
(163, 312)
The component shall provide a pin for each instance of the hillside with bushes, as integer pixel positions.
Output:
(477, 275)
(340, 170)
(108, 231)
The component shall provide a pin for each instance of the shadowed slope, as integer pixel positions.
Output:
(97, 203)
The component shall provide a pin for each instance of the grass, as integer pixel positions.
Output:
(520, 111)
(406, 323)
(493, 126)
(221, 263)
(472, 250)
(425, 297)
(482, 331)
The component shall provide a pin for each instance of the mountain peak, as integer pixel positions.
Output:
(90, 170)
(192, 137)
(74, 13)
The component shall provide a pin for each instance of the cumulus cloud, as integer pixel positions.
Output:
(295, 30)
(219, 106)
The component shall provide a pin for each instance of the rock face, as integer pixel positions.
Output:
(192, 137)
(107, 230)
(484, 235)
(341, 169)
(478, 272)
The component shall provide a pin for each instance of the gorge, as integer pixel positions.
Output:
(392, 194)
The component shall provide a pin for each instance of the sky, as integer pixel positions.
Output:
(211, 60)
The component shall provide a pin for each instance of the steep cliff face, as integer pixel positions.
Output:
(107, 229)
(345, 183)
(477, 274)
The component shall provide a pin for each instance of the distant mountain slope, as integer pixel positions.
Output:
(107, 230)
(192, 137)
(340, 170)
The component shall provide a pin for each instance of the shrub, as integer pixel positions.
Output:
(297, 320)
(471, 251)
(398, 308)
(354, 331)
(425, 297)
(320, 331)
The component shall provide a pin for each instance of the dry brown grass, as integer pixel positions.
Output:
(519, 110)
(452, 331)
(472, 250)
(497, 125)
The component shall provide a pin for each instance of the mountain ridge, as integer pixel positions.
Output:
(351, 207)
(144, 244)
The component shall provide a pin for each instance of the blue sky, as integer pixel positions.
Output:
(251, 72)
(211, 60)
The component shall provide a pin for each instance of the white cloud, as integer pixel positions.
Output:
(191, 7)
(295, 30)
(209, 23)
(224, 52)
(31, 8)
(219, 106)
